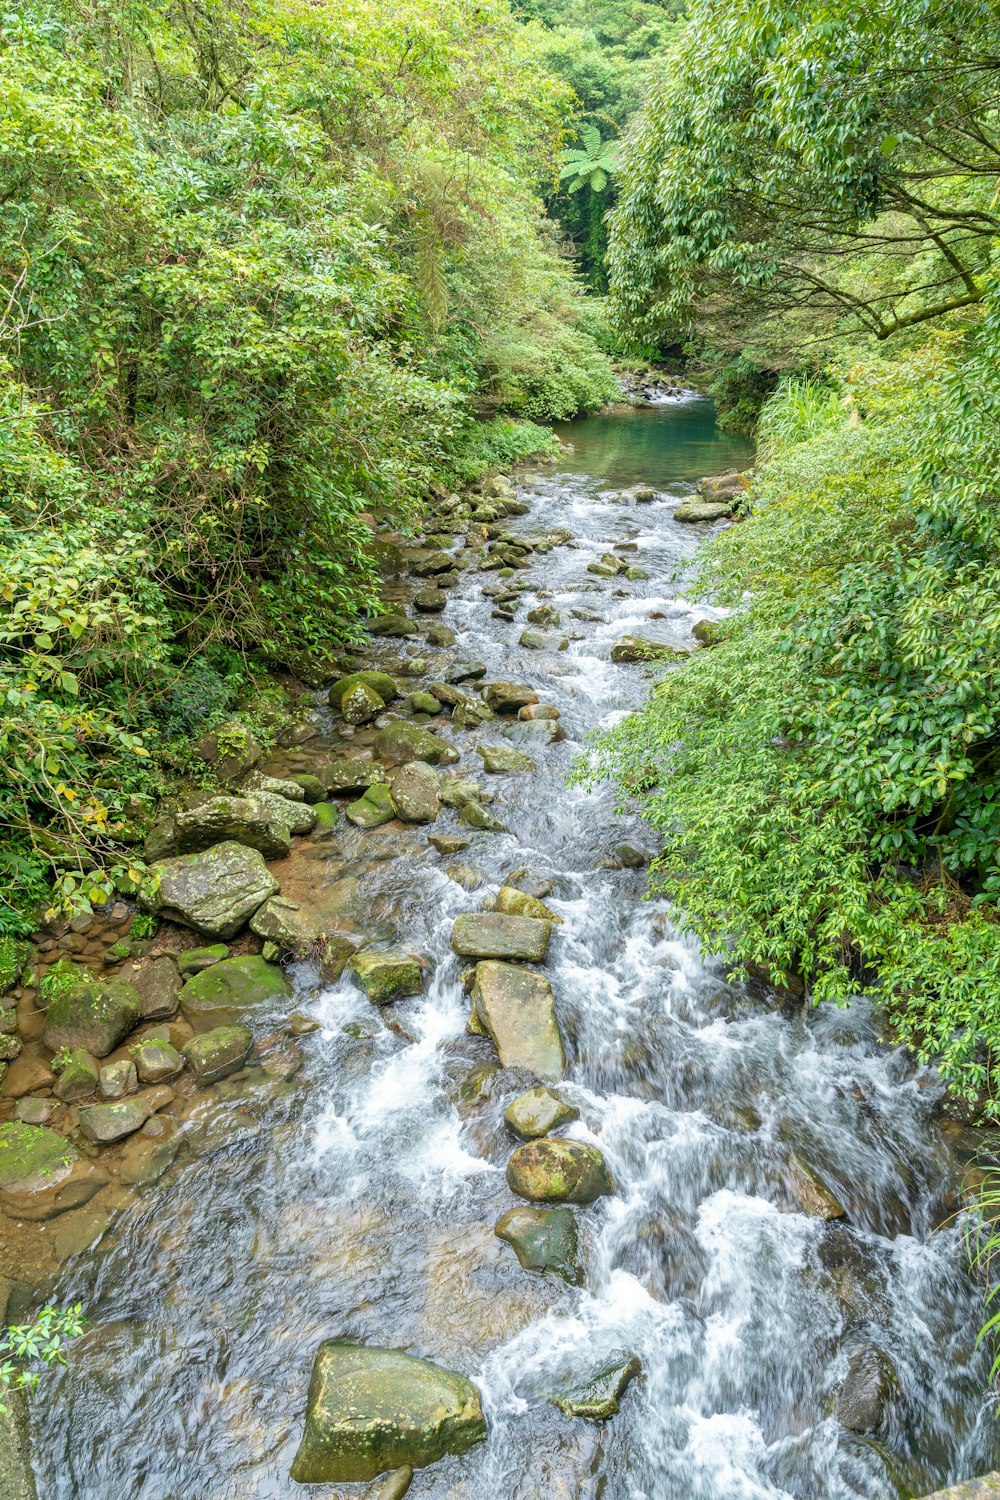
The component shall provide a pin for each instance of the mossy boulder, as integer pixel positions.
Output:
(634, 648)
(256, 821)
(511, 902)
(373, 1410)
(501, 758)
(493, 935)
(415, 790)
(229, 991)
(378, 682)
(597, 1392)
(350, 775)
(158, 984)
(15, 956)
(703, 510)
(536, 1112)
(94, 1016)
(471, 713)
(194, 960)
(387, 975)
(215, 892)
(156, 1061)
(31, 1151)
(508, 697)
(514, 1007)
(333, 960)
(556, 1170)
(216, 1054)
(283, 922)
(543, 640)
(401, 741)
(78, 1076)
(313, 790)
(475, 815)
(231, 751)
(708, 632)
(544, 1239)
(360, 704)
(373, 809)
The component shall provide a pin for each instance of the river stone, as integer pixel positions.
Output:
(530, 883)
(535, 1113)
(543, 640)
(556, 1170)
(193, 960)
(447, 843)
(708, 632)
(703, 510)
(424, 703)
(400, 742)
(465, 671)
(544, 614)
(434, 562)
(471, 713)
(630, 857)
(456, 791)
(94, 1016)
(544, 1239)
(500, 758)
(104, 1124)
(118, 1079)
(465, 875)
(158, 984)
(868, 1387)
(475, 815)
(492, 935)
(508, 697)
(40, 1174)
(598, 1393)
(246, 819)
(430, 601)
(532, 733)
(282, 922)
(814, 1198)
(395, 622)
(387, 975)
(214, 892)
(156, 1061)
(225, 993)
(217, 1053)
(370, 1410)
(296, 814)
(379, 682)
(633, 648)
(360, 704)
(532, 711)
(350, 775)
(636, 575)
(231, 751)
(311, 787)
(514, 903)
(78, 1077)
(602, 570)
(34, 1111)
(373, 809)
(334, 958)
(516, 1009)
(440, 635)
(414, 788)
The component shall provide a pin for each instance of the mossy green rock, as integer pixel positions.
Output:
(475, 815)
(28, 1152)
(351, 774)
(360, 704)
(415, 792)
(508, 697)
(597, 1392)
(78, 1077)
(373, 809)
(401, 741)
(156, 1061)
(514, 1007)
(372, 1410)
(500, 758)
(544, 1239)
(492, 935)
(379, 682)
(230, 990)
(282, 922)
(313, 790)
(633, 648)
(214, 892)
(94, 1017)
(535, 1113)
(386, 976)
(217, 1053)
(514, 903)
(194, 960)
(558, 1171)
(15, 955)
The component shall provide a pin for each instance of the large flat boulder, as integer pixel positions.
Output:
(492, 935)
(515, 1008)
(284, 922)
(508, 697)
(349, 774)
(214, 892)
(402, 741)
(557, 1170)
(231, 991)
(93, 1016)
(371, 1410)
(41, 1174)
(255, 821)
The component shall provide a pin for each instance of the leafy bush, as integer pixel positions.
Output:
(497, 444)
(42, 1341)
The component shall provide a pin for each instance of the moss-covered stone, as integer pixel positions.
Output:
(492, 935)
(387, 975)
(229, 991)
(378, 682)
(400, 742)
(511, 902)
(475, 815)
(156, 1061)
(596, 1393)
(94, 1017)
(501, 758)
(371, 1410)
(350, 774)
(104, 1124)
(514, 1007)
(78, 1076)
(194, 960)
(533, 1114)
(415, 792)
(544, 1239)
(217, 1053)
(313, 789)
(360, 704)
(508, 697)
(333, 960)
(15, 956)
(214, 892)
(633, 648)
(373, 809)
(31, 1151)
(558, 1171)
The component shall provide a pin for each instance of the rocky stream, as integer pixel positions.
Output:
(435, 1110)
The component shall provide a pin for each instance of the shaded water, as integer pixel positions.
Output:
(665, 446)
(358, 1199)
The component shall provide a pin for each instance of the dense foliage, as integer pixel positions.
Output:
(260, 265)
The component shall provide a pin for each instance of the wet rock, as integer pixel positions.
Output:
(511, 902)
(386, 976)
(703, 510)
(312, 788)
(158, 985)
(465, 671)
(545, 614)
(415, 792)
(424, 703)
(379, 682)
(631, 858)
(430, 601)
(467, 876)
(515, 1008)
(77, 1076)
(447, 843)
(544, 1239)
(360, 704)
(471, 713)
(118, 1079)
(217, 1053)
(707, 632)
(435, 562)
(489, 935)
(296, 814)
(24, 1076)
(456, 791)
(812, 1195)
(603, 570)
(543, 640)
(531, 883)
(371, 1410)
(231, 990)
(533, 711)
(231, 751)
(251, 820)
(194, 960)
(534, 733)
(350, 775)
(440, 635)
(214, 892)
(555, 1170)
(474, 815)
(10, 1048)
(41, 1175)
(503, 758)
(94, 1016)
(156, 1061)
(868, 1388)
(508, 697)
(636, 575)
(283, 923)
(327, 817)
(597, 1395)
(633, 648)
(728, 486)
(334, 958)
(400, 742)
(104, 1124)
(373, 809)
(394, 622)
(535, 1113)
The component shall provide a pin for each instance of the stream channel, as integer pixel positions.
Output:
(358, 1198)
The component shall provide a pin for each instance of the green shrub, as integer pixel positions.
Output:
(61, 976)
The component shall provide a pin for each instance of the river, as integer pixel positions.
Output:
(357, 1199)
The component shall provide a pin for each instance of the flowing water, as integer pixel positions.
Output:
(358, 1199)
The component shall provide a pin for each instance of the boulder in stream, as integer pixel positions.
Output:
(93, 1016)
(78, 1078)
(104, 1124)
(533, 1114)
(370, 1410)
(511, 902)
(508, 697)
(360, 704)
(351, 774)
(703, 510)
(156, 1061)
(475, 815)
(415, 789)
(401, 741)
(634, 648)
(217, 1053)
(255, 821)
(543, 640)
(386, 975)
(596, 1393)
(379, 682)
(544, 1239)
(515, 1008)
(231, 990)
(373, 809)
(869, 1386)
(214, 892)
(505, 758)
(492, 935)
(41, 1174)
(556, 1170)
(282, 922)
